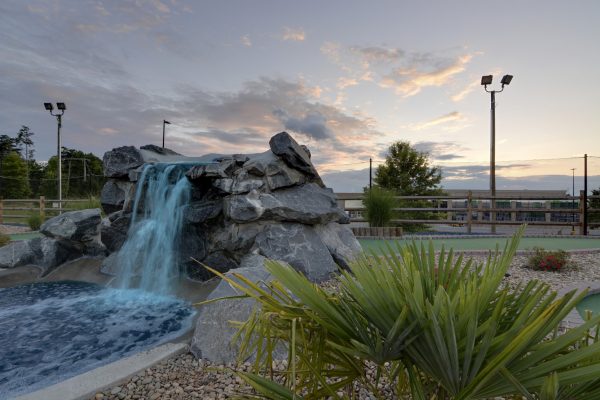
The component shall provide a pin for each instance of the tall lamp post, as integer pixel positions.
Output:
(165, 122)
(62, 107)
(573, 201)
(485, 81)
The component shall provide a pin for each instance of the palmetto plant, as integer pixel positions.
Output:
(435, 327)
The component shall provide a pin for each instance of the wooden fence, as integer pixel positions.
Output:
(16, 210)
(477, 210)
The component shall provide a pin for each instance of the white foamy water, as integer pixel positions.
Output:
(52, 331)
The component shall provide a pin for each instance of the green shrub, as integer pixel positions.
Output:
(34, 221)
(379, 204)
(542, 260)
(4, 239)
(433, 328)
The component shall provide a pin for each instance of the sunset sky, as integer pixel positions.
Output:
(346, 78)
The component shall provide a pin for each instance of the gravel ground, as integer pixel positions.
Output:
(12, 229)
(184, 377)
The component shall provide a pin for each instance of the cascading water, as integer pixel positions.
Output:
(148, 259)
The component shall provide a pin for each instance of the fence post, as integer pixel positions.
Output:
(1, 210)
(42, 207)
(469, 211)
(582, 198)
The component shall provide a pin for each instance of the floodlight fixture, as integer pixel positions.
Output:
(62, 107)
(506, 80)
(486, 79)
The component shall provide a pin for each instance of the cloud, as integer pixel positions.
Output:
(450, 118)
(246, 41)
(440, 150)
(343, 83)
(465, 91)
(376, 54)
(312, 124)
(294, 35)
(407, 73)
(423, 72)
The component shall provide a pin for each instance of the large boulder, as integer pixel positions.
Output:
(79, 226)
(120, 160)
(113, 230)
(341, 243)
(293, 154)
(160, 150)
(212, 338)
(308, 204)
(298, 245)
(16, 254)
(117, 195)
(46, 253)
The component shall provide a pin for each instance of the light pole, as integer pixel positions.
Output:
(164, 122)
(487, 80)
(62, 107)
(573, 201)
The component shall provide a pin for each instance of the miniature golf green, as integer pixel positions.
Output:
(591, 303)
(487, 243)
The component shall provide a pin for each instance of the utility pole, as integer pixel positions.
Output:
(370, 173)
(487, 80)
(165, 122)
(62, 107)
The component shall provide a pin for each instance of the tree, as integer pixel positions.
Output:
(408, 172)
(23, 139)
(82, 174)
(14, 180)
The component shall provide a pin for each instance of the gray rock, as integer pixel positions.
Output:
(219, 261)
(110, 265)
(117, 195)
(46, 253)
(80, 226)
(342, 245)
(276, 172)
(253, 261)
(50, 253)
(293, 154)
(16, 254)
(113, 230)
(201, 211)
(308, 204)
(223, 169)
(160, 150)
(212, 338)
(238, 185)
(120, 160)
(192, 247)
(298, 245)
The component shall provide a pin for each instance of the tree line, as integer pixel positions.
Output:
(22, 176)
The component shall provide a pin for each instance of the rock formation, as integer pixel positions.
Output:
(272, 204)
(67, 237)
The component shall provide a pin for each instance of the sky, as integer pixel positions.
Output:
(346, 78)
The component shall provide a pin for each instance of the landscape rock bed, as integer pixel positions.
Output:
(183, 377)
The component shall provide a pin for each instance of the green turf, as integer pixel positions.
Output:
(24, 236)
(490, 243)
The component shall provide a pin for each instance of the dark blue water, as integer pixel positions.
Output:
(52, 331)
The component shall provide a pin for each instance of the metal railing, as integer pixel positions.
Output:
(476, 210)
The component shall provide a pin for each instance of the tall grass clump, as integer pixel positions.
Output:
(433, 327)
(35, 221)
(4, 239)
(379, 204)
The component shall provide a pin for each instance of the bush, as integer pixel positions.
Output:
(4, 239)
(379, 204)
(34, 221)
(441, 329)
(542, 260)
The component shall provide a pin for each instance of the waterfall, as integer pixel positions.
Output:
(148, 258)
